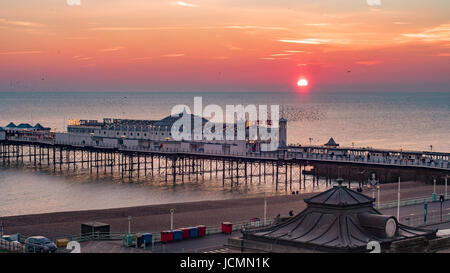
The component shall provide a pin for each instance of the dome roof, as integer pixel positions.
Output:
(340, 196)
(336, 220)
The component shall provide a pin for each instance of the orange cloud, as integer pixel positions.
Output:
(369, 63)
(20, 52)
(310, 41)
(116, 48)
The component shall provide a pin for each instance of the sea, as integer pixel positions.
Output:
(403, 120)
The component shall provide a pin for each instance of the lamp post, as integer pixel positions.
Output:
(445, 196)
(398, 199)
(265, 210)
(129, 224)
(378, 196)
(434, 196)
(171, 218)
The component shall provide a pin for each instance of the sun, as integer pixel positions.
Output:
(302, 83)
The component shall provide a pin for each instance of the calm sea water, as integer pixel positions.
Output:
(383, 120)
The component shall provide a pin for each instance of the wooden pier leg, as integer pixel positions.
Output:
(216, 167)
(276, 186)
(138, 165)
(151, 166)
(210, 168)
(223, 172)
(122, 158)
(60, 158)
(34, 156)
(273, 172)
(54, 159)
(304, 177)
(174, 170)
(159, 164)
(290, 177)
(182, 168)
(245, 172)
(259, 172)
(300, 176)
(113, 162)
(251, 172)
(202, 164)
(264, 172)
(165, 161)
(231, 171)
(48, 156)
(286, 176)
(145, 164)
(194, 161)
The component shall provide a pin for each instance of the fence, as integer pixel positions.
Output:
(156, 236)
(11, 246)
(409, 202)
(432, 218)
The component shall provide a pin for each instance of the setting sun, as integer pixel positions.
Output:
(302, 83)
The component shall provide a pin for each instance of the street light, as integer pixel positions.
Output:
(171, 218)
(265, 210)
(398, 199)
(445, 196)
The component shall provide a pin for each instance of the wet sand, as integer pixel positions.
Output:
(211, 213)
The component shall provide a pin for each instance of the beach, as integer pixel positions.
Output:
(155, 218)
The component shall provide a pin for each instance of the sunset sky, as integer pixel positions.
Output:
(224, 45)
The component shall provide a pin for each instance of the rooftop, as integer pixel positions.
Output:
(337, 220)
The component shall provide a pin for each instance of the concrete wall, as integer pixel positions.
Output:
(111, 142)
(131, 143)
(74, 139)
(213, 148)
(384, 174)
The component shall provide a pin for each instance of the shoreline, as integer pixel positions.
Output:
(155, 218)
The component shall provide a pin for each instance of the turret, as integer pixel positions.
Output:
(283, 132)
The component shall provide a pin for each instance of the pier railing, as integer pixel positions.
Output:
(409, 202)
(429, 162)
(433, 217)
(156, 235)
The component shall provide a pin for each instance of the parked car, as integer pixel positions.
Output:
(39, 244)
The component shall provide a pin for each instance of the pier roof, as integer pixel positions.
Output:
(24, 126)
(337, 220)
(11, 125)
(331, 142)
(170, 120)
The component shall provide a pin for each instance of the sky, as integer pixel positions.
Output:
(224, 45)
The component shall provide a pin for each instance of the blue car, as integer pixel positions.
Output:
(39, 244)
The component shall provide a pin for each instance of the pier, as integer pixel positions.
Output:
(289, 168)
